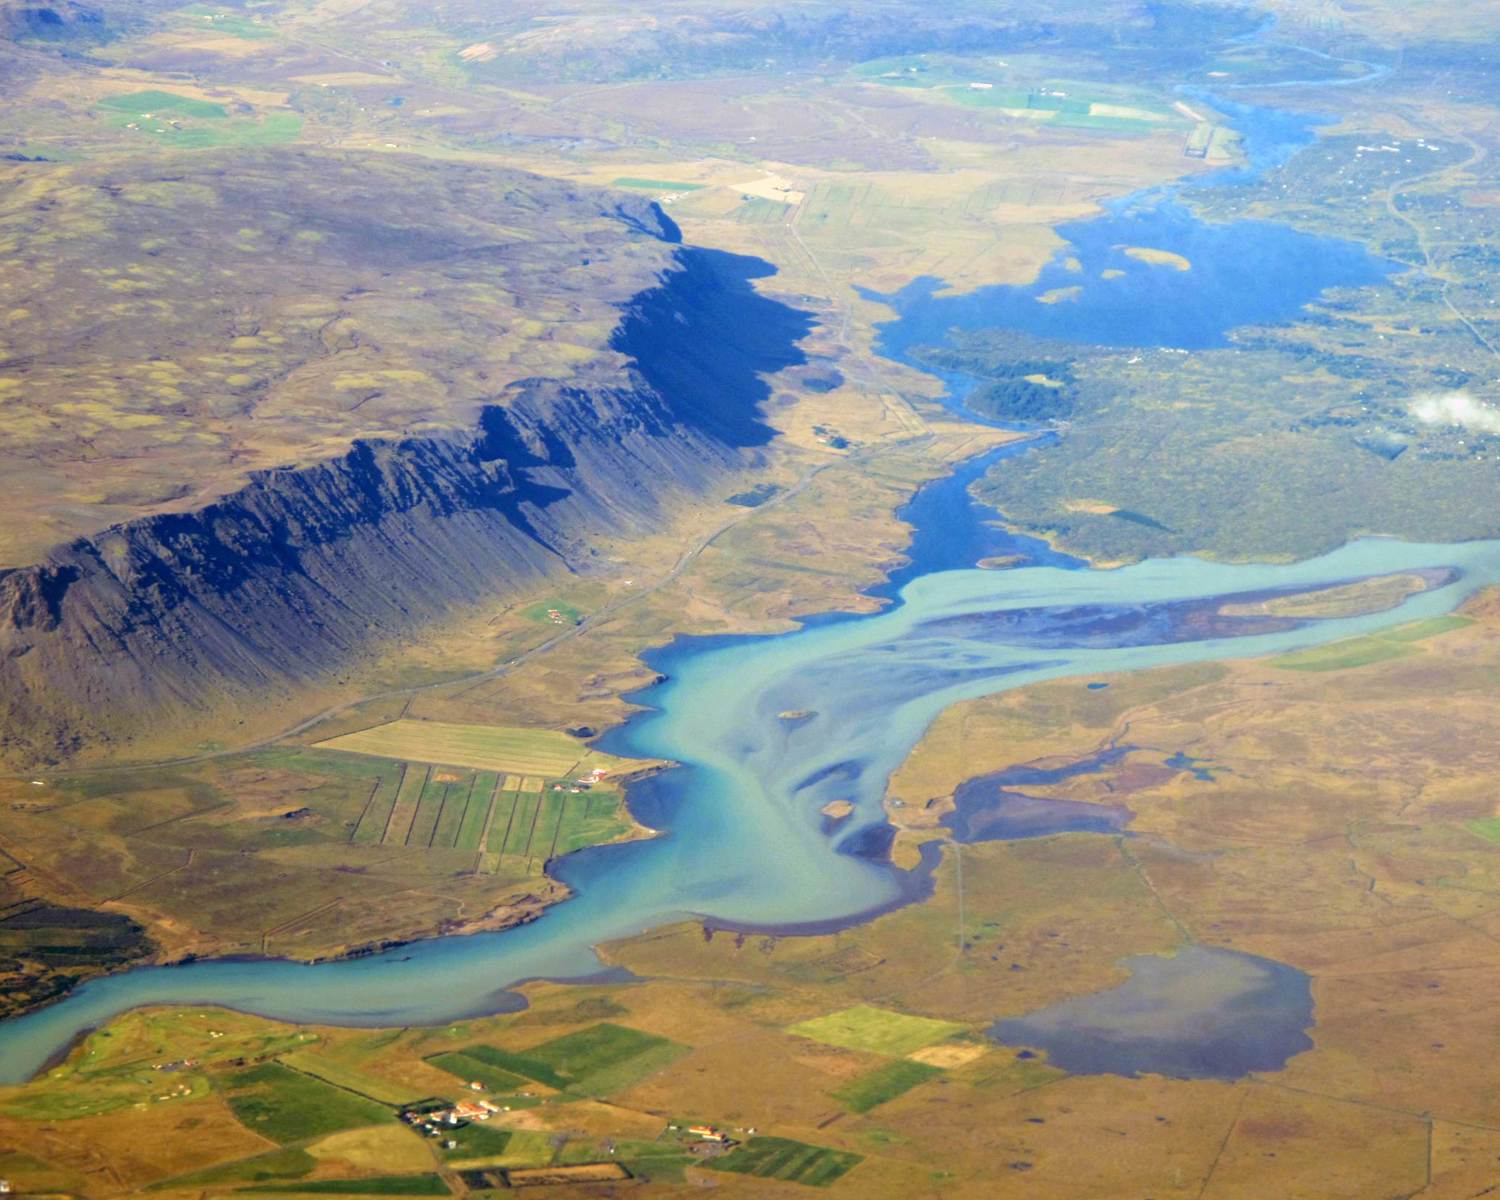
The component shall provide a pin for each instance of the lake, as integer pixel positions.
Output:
(1101, 289)
(1201, 1013)
(1148, 272)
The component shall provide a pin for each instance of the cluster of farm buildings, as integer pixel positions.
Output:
(582, 785)
(438, 1121)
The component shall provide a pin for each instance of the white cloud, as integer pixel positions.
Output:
(1455, 408)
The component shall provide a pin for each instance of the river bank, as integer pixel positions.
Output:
(743, 842)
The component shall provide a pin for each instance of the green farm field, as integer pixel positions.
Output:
(607, 1058)
(482, 1146)
(783, 1158)
(657, 185)
(470, 1068)
(184, 123)
(349, 1077)
(1487, 828)
(263, 1169)
(981, 84)
(480, 1143)
(503, 817)
(543, 612)
(543, 826)
(1420, 630)
(284, 1105)
(885, 1082)
(876, 1030)
(386, 1185)
(597, 1061)
(148, 104)
(524, 1064)
(219, 21)
(759, 211)
(1363, 651)
(1342, 656)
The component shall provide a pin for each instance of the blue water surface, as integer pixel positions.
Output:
(1238, 273)
(744, 839)
(745, 842)
(1241, 273)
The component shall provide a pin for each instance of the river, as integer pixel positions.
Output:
(744, 842)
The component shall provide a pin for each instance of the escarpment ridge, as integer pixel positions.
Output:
(304, 569)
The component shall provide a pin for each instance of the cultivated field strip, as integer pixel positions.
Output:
(476, 816)
(511, 823)
(413, 784)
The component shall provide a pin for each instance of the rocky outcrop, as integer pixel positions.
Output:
(306, 569)
(73, 25)
(64, 21)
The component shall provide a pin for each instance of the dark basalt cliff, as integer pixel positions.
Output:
(304, 570)
(61, 22)
(73, 25)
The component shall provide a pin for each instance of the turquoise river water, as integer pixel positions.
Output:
(744, 840)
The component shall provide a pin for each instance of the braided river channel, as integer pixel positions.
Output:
(767, 730)
(744, 843)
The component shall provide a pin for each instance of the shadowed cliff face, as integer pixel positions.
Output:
(59, 22)
(667, 330)
(74, 24)
(304, 570)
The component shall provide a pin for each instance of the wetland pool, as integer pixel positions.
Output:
(1201, 1013)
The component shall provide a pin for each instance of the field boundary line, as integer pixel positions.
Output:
(1234, 1124)
(484, 834)
(509, 821)
(145, 883)
(195, 812)
(321, 742)
(438, 820)
(281, 1062)
(60, 885)
(385, 834)
(536, 814)
(463, 817)
(416, 809)
(1140, 873)
(1374, 1104)
(312, 912)
(365, 811)
(562, 811)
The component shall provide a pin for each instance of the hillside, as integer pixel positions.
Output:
(356, 420)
